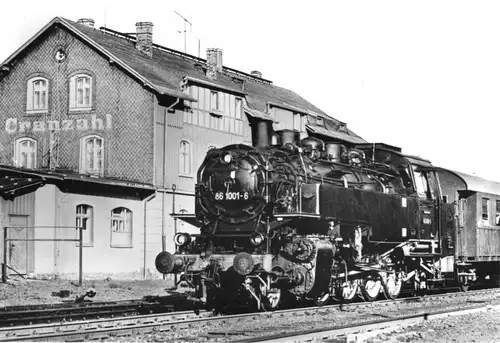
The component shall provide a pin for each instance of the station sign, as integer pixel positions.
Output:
(14, 125)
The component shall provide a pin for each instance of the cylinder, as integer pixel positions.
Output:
(333, 152)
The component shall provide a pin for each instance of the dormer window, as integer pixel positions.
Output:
(320, 121)
(214, 100)
(37, 95)
(80, 92)
(237, 110)
(215, 104)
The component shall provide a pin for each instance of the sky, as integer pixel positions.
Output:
(420, 75)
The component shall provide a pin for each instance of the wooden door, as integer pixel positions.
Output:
(18, 252)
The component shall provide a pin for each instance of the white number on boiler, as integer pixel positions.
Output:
(231, 196)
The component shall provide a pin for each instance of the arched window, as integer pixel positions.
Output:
(80, 92)
(37, 95)
(92, 155)
(25, 153)
(85, 219)
(121, 228)
(185, 158)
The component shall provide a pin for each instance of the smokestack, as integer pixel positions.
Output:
(144, 37)
(86, 21)
(214, 62)
(261, 133)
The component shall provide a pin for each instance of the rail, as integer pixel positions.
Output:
(6, 240)
(249, 327)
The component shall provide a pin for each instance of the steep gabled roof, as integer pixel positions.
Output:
(165, 71)
(114, 55)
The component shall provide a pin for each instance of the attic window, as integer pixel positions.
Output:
(320, 121)
(215, 104)
(200, 67)
(214, 100)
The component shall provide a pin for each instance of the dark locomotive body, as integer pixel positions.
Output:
(309, 220)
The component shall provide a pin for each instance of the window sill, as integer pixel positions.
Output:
(82, 110)
(18, 165)
(121, 246)
(186, 175)
(92, 173)
(35, 113)
(216, 113)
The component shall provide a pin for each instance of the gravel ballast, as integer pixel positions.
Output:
(19, 291)
(478, 327)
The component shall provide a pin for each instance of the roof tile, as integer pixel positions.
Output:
(167, 68)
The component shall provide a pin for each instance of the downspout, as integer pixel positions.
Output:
(148, 199)
(163, 230)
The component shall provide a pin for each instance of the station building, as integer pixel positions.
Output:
(105, 130)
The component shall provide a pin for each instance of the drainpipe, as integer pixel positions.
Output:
(163, 231)
(148, 199)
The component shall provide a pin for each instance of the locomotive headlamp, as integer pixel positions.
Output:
(227, 158)
(256, 238)
(181, 239)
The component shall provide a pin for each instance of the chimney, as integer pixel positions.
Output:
(86, 21)
(261, 134)
(256, 73)
(144, 37)
(214, 62)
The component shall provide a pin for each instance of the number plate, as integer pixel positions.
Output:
(427, 221)
(231, 196)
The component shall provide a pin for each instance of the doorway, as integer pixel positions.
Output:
(19, 252)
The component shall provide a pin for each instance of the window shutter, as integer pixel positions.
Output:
(72, 87)
(29, 96)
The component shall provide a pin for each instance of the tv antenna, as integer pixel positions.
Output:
(185, 23)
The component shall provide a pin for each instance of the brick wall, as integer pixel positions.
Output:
(124, 106)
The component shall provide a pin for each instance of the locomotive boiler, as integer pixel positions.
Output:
(290, 220)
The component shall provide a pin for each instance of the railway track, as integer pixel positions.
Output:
(205, 326)
(70, 311)
(359, 332)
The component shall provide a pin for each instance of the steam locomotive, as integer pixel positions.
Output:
(293, 220)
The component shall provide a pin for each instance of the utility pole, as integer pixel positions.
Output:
(191, 27)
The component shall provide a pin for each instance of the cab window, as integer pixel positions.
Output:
(421, 183)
